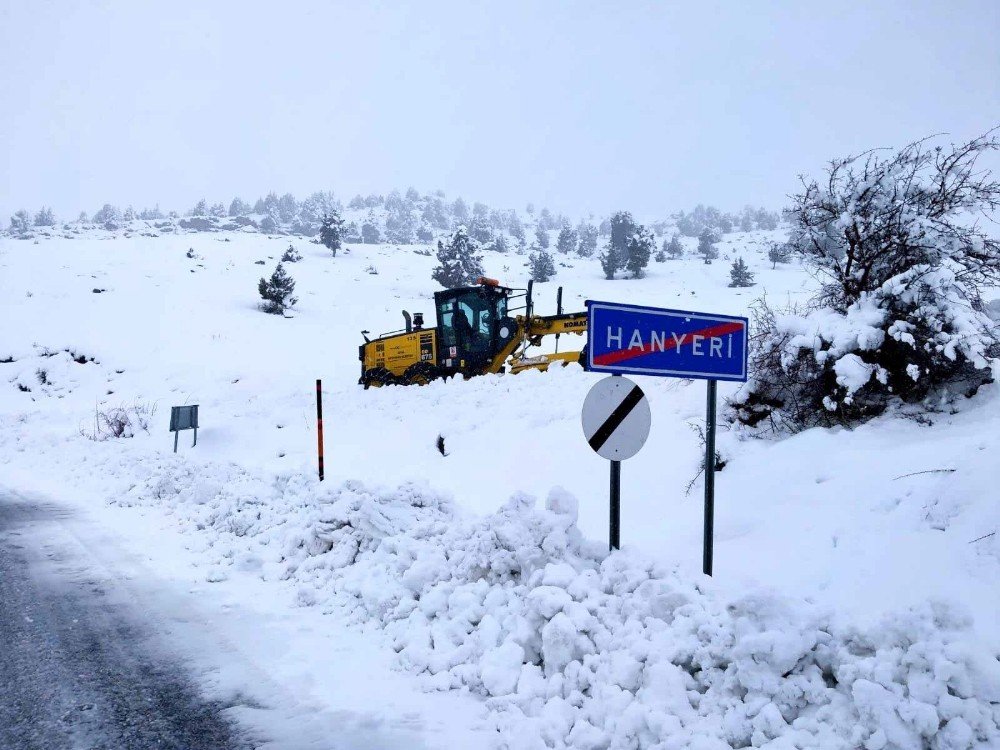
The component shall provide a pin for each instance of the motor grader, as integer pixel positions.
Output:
(477, 332)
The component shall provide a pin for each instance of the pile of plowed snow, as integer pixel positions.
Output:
(571, 646)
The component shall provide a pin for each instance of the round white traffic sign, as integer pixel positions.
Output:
(616, 418)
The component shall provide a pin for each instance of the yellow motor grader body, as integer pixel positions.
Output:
(476, 334)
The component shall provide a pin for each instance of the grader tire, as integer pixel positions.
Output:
(378, 376)
(419, 373)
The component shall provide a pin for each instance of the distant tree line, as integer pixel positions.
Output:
(708, 217)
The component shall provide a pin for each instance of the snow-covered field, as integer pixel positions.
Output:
(855, 600)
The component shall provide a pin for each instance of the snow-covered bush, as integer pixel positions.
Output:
(20, 222)
(291, 255)
(123, 421)
(899, 318)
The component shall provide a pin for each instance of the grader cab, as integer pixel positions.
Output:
(477, 332)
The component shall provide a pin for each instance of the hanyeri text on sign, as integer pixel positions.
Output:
(665, 343)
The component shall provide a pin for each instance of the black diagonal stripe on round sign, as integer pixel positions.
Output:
(611, 424)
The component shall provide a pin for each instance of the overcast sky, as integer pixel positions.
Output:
(582, 107)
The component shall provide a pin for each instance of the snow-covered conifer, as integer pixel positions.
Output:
(566, 243)
(459, 264)
(541, 264)
(331, 232)
(541, 236)
(638, 250)
(739, 274)
(706, 245)
(276, 292)
(587, 234)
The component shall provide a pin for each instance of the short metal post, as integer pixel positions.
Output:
(319, 424)
(195, 438)
(614, 536)
(709, 478)
(177, 434)
(558, 312)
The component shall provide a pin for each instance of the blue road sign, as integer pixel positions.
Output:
(641, 340)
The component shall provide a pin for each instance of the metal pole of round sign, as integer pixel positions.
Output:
(616, 421)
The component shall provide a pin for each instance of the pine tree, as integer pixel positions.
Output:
(517, 231)
(479, 228)
(200, 208)
(276, 292)
(238, 208)
(541, 236)
(660, 256)
(460, 211)
(20, 222)
(425, 233)
(500, 244)
(45, 218)
(546, 220)
(739, 274)
(638, 250)
(291, 255)
(778, 253)
(706, 245)
(567, 240)
(674, 249)
(615, 256)
(109, 216)
(541, 264)
(458, 263)
(370, 234)
(331, 232)
(588, 239)
(287, 208)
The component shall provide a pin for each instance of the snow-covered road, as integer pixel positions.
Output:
(106, 647)
(77, 668)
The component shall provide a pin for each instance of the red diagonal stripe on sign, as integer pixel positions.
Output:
(613, 358)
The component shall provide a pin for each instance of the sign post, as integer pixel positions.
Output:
(184, 418)
(708, 545)
(319, 425)
(634, 339)
(616, 421)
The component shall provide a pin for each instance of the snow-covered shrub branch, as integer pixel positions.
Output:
(899, 316)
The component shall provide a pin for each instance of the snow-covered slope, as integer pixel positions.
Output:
(828, 532)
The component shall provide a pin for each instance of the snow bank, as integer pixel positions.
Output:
(572, 647)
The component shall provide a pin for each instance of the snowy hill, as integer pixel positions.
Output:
(855, 600)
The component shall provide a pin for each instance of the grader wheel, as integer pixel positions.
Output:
(378, 376)
(419, 373)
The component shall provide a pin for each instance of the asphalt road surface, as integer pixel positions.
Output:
(80, 669)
